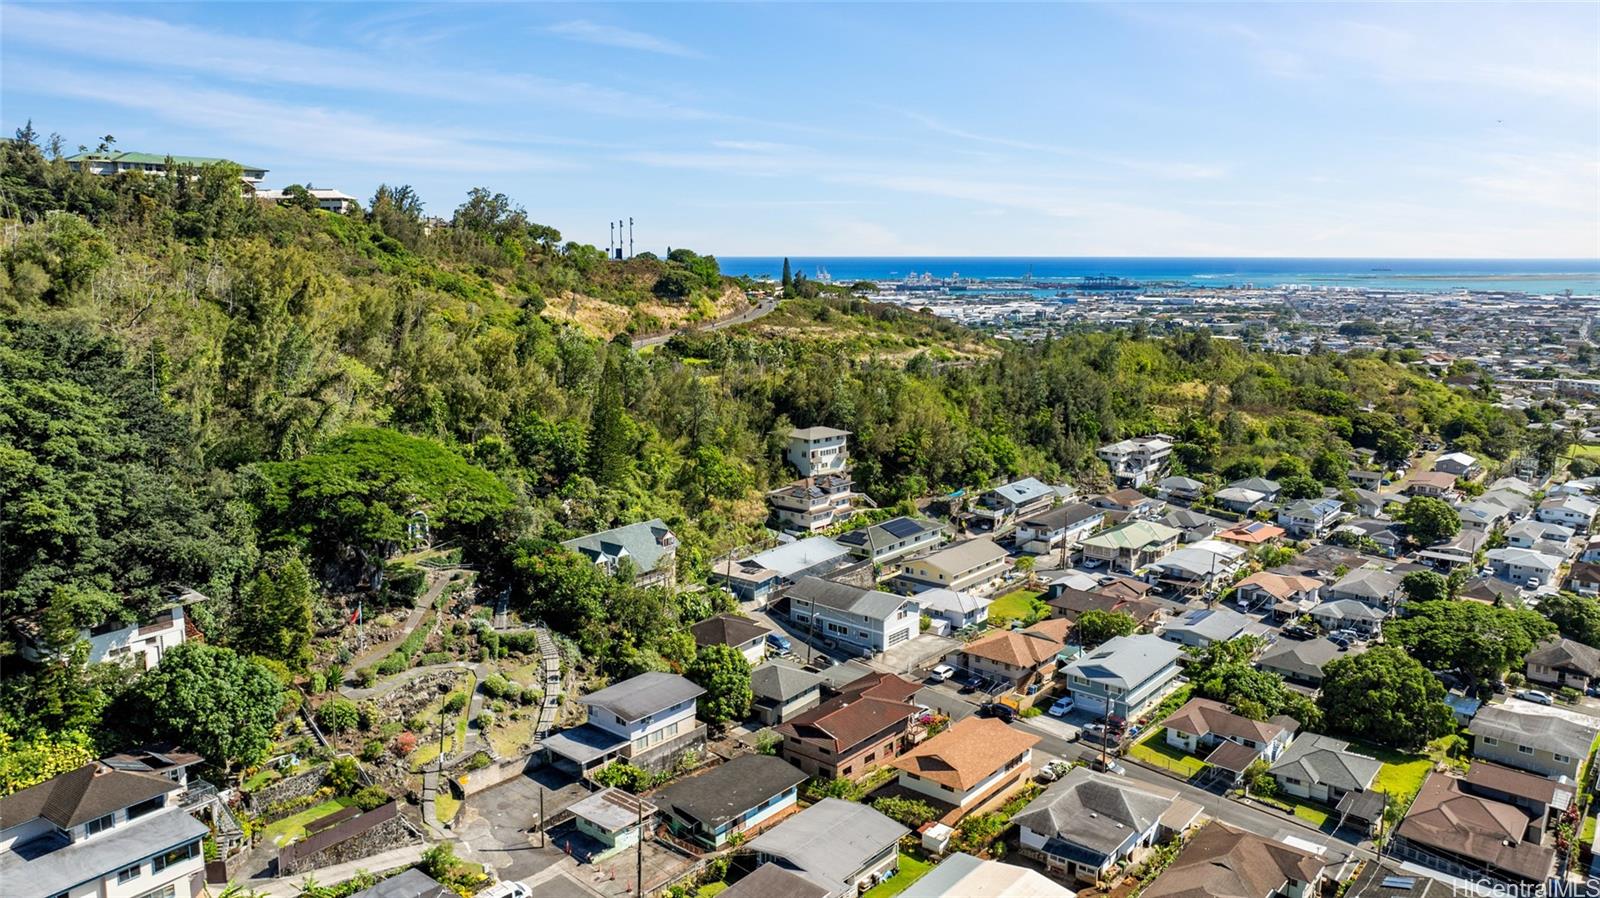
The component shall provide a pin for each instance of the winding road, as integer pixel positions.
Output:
(760, 310)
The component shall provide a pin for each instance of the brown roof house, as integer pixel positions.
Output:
(1222, 862)
(1227, 741)
(1559, 661)
(742, 633)
(867, 724)
(1024, 659)
(971, 762)
(1470, 836)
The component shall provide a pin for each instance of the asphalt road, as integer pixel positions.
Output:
(759, 311)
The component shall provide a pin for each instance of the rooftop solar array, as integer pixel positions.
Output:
(902, 527)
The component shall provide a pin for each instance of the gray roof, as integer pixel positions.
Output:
(613, 810)
(737, 787)
(1368, 583)
(648, 693)
(1313, 507)
(1561, 652)
(967, 555)
(1085, 808)
(1126, 660)
(644, 543)
(830, 839)
(772, 881)
(1177, 482)
(1063, 516)
(82, 794)
(1315, 758)
(801, 555)
(817, 433)
(1256, 484)
(1347, 609)
(412, 883)
(583, 744)
(847, 598)
(1306, 658)
(50, 865)
(1022, 491)
(889, 532)
(959, 601)
(781, 681)
(1188, 519)
(1215, 624)
(1544, 730)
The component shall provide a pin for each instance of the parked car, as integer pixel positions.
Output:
(1107, 766)
(821, 662)
(1002, 713)
(779, 643)
(1341, 642)
(1536, 696)
(1062, 706)
(1298, 632)
(1093, 731)
(1053, 771)
(508, 889)
(941, 673)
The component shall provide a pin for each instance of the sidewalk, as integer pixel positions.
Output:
(289, 886)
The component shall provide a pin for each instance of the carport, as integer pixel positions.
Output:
(581, 749)
(1226, 764)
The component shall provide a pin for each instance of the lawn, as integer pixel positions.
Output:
(1020, 605)
(911, 869)
(294, 827)
(1402, 773)
(1154, 750)
(711, 889)
(445, 805)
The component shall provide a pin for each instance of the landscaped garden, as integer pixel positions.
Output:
(293, 827)
(912, 868)
(1023, 604)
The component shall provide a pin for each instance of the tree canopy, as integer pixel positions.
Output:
(1385, 696)
(1480, 640)
(211, 700)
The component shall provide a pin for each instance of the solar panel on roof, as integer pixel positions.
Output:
(1399, 882)
(1253, 527)
(902, 528)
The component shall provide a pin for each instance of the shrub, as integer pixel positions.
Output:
(495, 686)
(367, 715)
(318, 684)
(1035, 711)
(405, 743)
(370, 797)
(478, 762)
(343, 774)
(365, 677)
(818, 789)
(338, 715)
(429, 658)
(372, 750)
(454, 702)
(910, 812)
(531, 696)
(485, 720)
(624, 776)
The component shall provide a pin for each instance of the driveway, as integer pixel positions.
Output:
(494, 823)
(916, 655)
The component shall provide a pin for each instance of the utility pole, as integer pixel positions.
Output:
(638, 853)
(544, 834)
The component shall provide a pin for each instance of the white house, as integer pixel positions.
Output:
(814, 503)
(1522, 565)
(977, 564)
(815, 451)
(141, 645)
(116, 162)
(961, 609)
(893, 539)
(972, 761)
(327, 200)
(1527, 534)
(1576, 512)
(1123, 676)
(1086, 822)
(1014, 500)
(643, 720)
(1458, 463)
(863, 618)
(1135, 462)
(1309, 517)
(100, 832)
(1062, 527)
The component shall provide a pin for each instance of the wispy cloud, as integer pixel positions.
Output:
(588, 32)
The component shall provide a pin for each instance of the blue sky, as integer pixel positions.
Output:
(1393, 130)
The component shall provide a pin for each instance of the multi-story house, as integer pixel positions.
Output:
(1131, 546)
(744, 635)
(893, 539)
(141, 645)
(1123, 676)
(977, 565)
(866, 725)
(1003, 505)
(650, 547)
(1018, 658)
(1535, 741)
(840, 846)
(1471, 836)
(976, 759)
(1136, 462)
(815, 451)
(1059, 528)
(815, 503)
(1432, 484)
(1202, 724)
(648, 720)
(865, 619)
(1458, 464)
(1576, 512)
(115, 163)
(100, 832)
(1305, 518)
(1523, 565)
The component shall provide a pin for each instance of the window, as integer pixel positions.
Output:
(1563, 759)
(129, 873)
(1490, 740)
(175, 856)
(170, 890)
(1524, 749)
(98, 825)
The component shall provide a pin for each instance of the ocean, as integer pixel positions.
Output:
(1581, 276)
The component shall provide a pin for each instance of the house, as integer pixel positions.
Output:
(99, 831)
(1490, 591)
(1192, 524)
(1013, 501)
(1531, 738)
(863, 618)
(1374, 586)
(1470, 836)
(648, 720)
(1184, 489)
(1349, 614)
(815, 451)
(1530, 534)
(1220, 861)
(650, 547)
(773, 881)
(1059, 528)
(892, 539)
(1273, 590)
(1591, 549)
(1541, 798)
(781, 691)
(840, 845)
(1201, 627)
(961, 875)
(812, 504)
(1198, 568)
(1123, 676)
(977, 564)
(1020, 658)
(866, 725)
(1202, 724)
(1301, 662)
(1458, 464)
(1433, 484)
(613, 821)
(1520, 566)
(1069, 603)
(1135, 462)
(1130, 546)
(1368, 503)
(1306, 518)
(140, 645)
(743, 634)
(974, 760)
(1517, 505)
(107, 164)
(1584, 578)
(1321, 768)
(1482, 517)
(410, 883)
(1086, 823)
(1251, 533)
(327, 200)
(1243, 495)
(760, 577)
(960, 609)
(1364, 479)
(731, 799)
(1576, 512)
(1129, 503)
(1513, 485)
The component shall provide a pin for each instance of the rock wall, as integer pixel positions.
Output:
(287, 789)
(392, 833)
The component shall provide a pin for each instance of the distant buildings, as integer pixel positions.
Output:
(327, 200)
(115, 163)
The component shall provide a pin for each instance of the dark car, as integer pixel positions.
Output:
(1298, 632)
(1002, 713)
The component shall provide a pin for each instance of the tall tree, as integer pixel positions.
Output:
(788, 278)
(211, 700)
(725, 675)
(274, 616)
(1386, 696)
(1429, 521)
(610, 431)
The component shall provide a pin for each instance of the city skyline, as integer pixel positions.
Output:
(1321, 131)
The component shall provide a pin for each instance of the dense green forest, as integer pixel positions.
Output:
(200, 390)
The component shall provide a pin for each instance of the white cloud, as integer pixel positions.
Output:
(587, 32)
